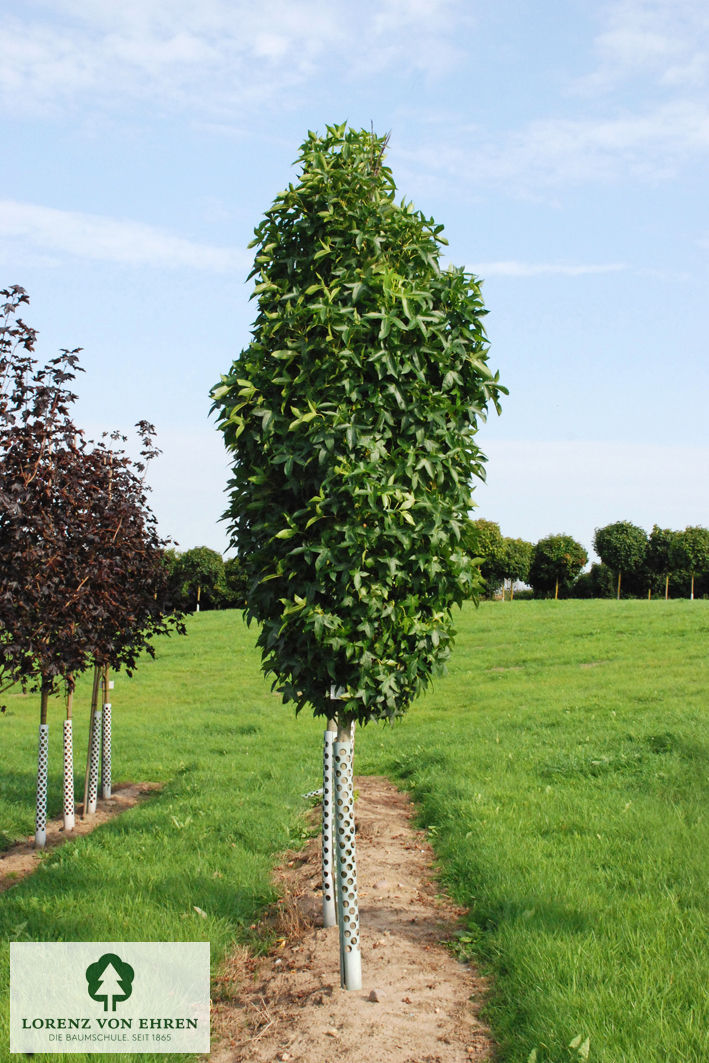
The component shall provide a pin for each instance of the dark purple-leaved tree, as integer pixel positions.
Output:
(81, 575)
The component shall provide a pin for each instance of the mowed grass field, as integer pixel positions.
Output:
(560, 768)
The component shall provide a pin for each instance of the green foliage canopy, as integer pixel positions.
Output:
(236, 583)
(690, 549)
(198, 575)
(351, 417)
(622, 546)
(484, 540)
(516, 558)
(660, 550)
(556, 562)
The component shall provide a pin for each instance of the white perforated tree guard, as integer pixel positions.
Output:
(94, 757)
(40, 822)
(347, 902)
(106, 751)
(68, 775)
(329, 898)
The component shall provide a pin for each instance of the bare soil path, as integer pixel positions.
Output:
(418, 1003)
(23, 858)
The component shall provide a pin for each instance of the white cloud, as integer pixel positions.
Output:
(652, 145)
(213, 56)
(31, 229)
(515, 268)
(666, 41)
(649, 117)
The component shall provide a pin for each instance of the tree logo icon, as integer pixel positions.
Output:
(110, 980)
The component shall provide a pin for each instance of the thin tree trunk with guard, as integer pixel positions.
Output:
(347, 900)
(329, 890)
(40, 823)
(68, 765)
(105, 737)
(92, 756)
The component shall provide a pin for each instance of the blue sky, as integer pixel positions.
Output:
(563, 146)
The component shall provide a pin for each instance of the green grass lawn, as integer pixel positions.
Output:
(560, 767)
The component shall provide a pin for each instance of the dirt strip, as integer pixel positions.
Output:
(418, 1003)
(23, 858)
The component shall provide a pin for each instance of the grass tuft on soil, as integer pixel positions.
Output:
(560, 768)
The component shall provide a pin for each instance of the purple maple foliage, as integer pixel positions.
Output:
(82, 573)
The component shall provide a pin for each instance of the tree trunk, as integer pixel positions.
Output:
(512, 590)
(68, 775)
(40, 821)
(92, 756)
(105, 739)
(667, 585)
(329, 891)
(618, 592)
(556, 591)
(199, 594)
(347, 903)
(691, 593)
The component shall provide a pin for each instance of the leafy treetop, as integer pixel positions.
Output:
(690, 549)
(200, 578)
(621, 545)
(556, 562)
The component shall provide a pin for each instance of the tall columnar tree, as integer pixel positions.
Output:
(690, 551)
(351, 418)
(556, 562)
(622, 546)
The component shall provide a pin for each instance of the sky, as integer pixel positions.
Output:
(564, 147)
